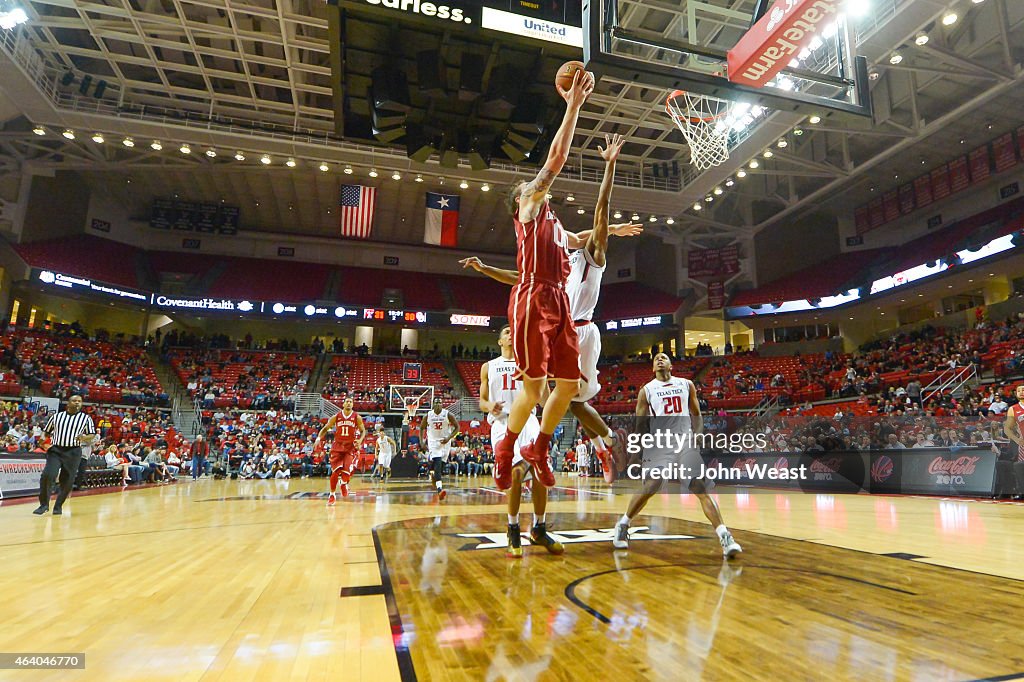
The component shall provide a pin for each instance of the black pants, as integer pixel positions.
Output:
(437, 465)
(61, 468)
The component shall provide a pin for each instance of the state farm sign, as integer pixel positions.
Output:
(776, 39)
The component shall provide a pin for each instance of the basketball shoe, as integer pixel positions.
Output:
(441, 494)
(607, 466)
(344, 489)
(730, 548)
(621, 538)
(331, 499)
(504, 452)
(539, 536)
(538, 457)
(515, 542)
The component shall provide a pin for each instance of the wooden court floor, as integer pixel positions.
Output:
(228, 580)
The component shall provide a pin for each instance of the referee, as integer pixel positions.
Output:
(68, 431)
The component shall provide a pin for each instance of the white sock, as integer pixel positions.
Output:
(625, 520)
(721, 530)
(539, 519)
(438, 483)
(513, 520)
(598, 443)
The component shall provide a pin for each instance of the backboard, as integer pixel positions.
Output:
(789, 55)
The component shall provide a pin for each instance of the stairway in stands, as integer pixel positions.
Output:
(321, 371)
(183, 413)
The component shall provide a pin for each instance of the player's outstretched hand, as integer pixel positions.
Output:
(613, 145)
(582, 86)
(472, 262)
(625, 229)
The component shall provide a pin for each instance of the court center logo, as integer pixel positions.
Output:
(566, 537)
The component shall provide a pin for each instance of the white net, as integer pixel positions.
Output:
(402, 398)
(705, 123)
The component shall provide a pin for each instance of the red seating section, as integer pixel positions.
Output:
(731, 383)
(85, 256)
(271, 280)
(363, 376)
(632, 299)
(824, 279)
(273, 372)
(479, 295)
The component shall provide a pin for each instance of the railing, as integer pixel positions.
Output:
(951, 381)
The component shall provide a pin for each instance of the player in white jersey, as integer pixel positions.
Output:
(674, 401)
(582, 458)
(499, 384)
(385, 452)
(437, 429)
(583, 287)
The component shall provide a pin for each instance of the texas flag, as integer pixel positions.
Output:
(442, 220)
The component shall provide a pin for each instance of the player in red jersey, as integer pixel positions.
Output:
(543, 336)
(1013, 427)
(349, 433)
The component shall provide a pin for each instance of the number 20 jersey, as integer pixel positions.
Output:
(670, 399)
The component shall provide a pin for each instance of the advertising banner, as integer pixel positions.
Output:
(19, 476)
(964, 472)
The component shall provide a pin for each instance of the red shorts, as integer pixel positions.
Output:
(343, 459)
(543, 334)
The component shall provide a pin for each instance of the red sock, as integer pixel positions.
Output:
(334, 479)
(511, 436)
(543, 442)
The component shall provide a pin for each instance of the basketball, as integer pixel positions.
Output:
(566, 72)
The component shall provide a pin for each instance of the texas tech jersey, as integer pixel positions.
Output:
(502, 383)
(346, 429)
(438, 427)
(669, 398)
(583, 285)
(384, 448)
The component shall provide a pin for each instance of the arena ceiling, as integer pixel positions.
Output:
(256, 77)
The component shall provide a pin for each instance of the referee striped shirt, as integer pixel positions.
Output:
(66, 428)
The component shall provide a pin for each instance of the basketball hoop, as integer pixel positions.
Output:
(703, 120)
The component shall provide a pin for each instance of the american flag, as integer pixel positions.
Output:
(357, 203)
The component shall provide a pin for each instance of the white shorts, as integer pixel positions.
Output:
(660, 458)
(435, 450)
(589, 336)
(529, 434)
(384, 461)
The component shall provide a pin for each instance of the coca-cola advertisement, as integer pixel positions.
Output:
(934, 471)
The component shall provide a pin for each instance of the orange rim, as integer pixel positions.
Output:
(692, 119)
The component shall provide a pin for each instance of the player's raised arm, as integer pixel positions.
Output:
(535, 191)
(598, 242)
(510, 277)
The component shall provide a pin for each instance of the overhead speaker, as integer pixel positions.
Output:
(67, 79)
(83, 87)
(530, 116)
(420, 144)
(386, 119)
(101, 87)
(431, 74)
(449, 150)
(504, 87)
(516, 147)
(477, 149)
(389, 89)
(358, 126)
(471, 76)
(389, 134)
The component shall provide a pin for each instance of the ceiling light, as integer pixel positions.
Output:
(921, 39)
(265, 160)
(348, 170)
(873, 75)
(324, 167)
(12, 18)
(617, 215)
(782, 144)
(895, 58)
(754, 163)
(581, 210)
(97, 138)
(949, 19)
(798, 131)
(239, 156)
(670, 221)
(373, 172)
(635, 217)
(39, 130)
(185, 149)
(463, 185)
(290, 163)
(485, 187)
(730, 182)
(212, 153)
(718, 191)
(155, 145)
(741, 173)
(128, 142)
(570, 197)
(396, 176)
(709, 198)
(418, 178)
(814, 120)
(697, 206)
(768, 153)
(652, 219)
